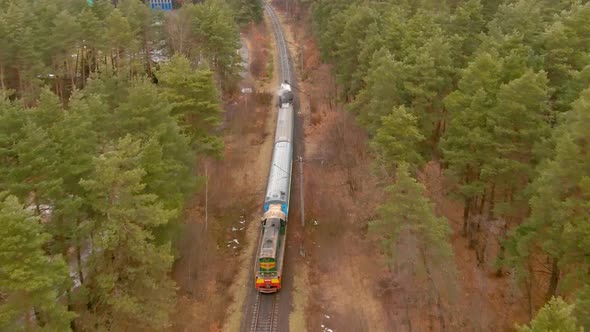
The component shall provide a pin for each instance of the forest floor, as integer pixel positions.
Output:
(342, 284)
(222, 222)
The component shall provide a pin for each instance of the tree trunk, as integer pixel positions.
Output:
(82, 67)
(529, 290)
(437, 134)
(146, 49)
(79, 264)
(75, 73)
(70, 308)
(553, 281)
(2, 84)
(504, 232)
(466, 207)
(439, 310)
(482, 203)
(491, 202)
(58, 88)
(21, 85)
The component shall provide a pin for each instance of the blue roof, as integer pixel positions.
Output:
(161, 4)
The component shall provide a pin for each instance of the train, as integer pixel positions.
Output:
(271, 247)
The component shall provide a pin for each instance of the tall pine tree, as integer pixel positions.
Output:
(31, 282)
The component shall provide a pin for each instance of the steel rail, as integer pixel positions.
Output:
(266, 313)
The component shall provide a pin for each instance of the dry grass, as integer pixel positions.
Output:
(301, 293)
(243, 281)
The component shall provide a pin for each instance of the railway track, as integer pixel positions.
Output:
(281, 44)
(265, 315)
(265, 312)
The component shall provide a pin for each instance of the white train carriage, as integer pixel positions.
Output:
(279, 179)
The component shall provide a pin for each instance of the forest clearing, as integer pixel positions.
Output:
(439, 174)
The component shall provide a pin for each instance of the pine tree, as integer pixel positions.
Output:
(566, 54)
(465, 26)
(120, 38)
(12, 121)
(247, 11)
(217, 38)
(31, 282)
(556, 315)
(397, 139)
(468, 145)
(519, 123)
(407, 211)
(408, 224)
(128, 285)
(63, 39)
(92, 33)
(35, 176)
(194, 100)
(558, 224)
(429, 79)
(350, 42)
(4, 51)
(384, 90)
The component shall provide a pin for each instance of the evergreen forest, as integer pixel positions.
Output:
(498, 93)
(106, 113)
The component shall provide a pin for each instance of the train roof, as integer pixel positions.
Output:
(284, 130)
(270, 238)
(279, 178)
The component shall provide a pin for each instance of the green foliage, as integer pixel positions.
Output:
(567, 53)
(247, 11)
(128, 273)
(407, 211)
(484, 85)
(12, 121)
(556, 315)
(30, 281)
(102, 155)
(467, 144)
(558, 224)
(215, 37)
(378, 98)
(195, 102)
(396, 141)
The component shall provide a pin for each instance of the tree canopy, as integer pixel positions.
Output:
(492, 91)
(103, 125)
